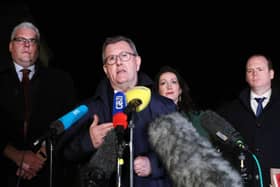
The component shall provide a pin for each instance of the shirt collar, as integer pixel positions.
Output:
(18, 68)
(267, 95)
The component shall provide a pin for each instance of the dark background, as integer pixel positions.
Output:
(208, 43)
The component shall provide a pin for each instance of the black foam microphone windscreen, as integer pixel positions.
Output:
(222, 129)
(190, 159)
(98, 171)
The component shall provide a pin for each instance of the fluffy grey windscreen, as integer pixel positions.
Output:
(190, 159)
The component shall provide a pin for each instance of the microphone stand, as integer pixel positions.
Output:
(130, 110)
(243, 169)
(131, 125)
(49, 138)
(51, 151)
(121, 145)
(120, 161)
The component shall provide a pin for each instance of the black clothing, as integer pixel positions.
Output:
(52, 95)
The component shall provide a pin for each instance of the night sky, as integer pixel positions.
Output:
(207, 43)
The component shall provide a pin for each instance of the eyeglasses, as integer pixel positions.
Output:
(23, 41)
(123, 56)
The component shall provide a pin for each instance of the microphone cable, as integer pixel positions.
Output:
(259, 169)
(257, 164)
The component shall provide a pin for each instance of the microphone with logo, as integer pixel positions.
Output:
(124, 105)
(137, 99)
(119, 117)
(120, 125)
(59, 126)
(98, 171)
(190, 159)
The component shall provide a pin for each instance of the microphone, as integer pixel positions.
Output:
(62, 124)
(189, 159)
(66, 121)
(98, 171)
(137, 98)
(119, 117)
(102, 165)
(119, 102)
(222, 129)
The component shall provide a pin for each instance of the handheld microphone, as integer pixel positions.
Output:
(137, 98)
(219, 127)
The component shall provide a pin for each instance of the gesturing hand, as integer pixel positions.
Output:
(98, 132)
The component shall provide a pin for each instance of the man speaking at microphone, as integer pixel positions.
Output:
(121, 64)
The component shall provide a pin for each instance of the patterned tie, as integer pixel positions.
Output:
(26, 87)
(260, 106)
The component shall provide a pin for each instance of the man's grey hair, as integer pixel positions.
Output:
(26, 24)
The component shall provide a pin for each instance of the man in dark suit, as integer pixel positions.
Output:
(121, 64)
(260, 131)
(51, 95)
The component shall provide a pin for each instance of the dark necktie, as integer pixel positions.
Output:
(26, 87)
(260, 106)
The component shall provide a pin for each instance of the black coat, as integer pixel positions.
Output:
(81, 149)
(261, 134)
(52, 95)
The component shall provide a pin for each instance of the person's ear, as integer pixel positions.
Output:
(138, 62)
